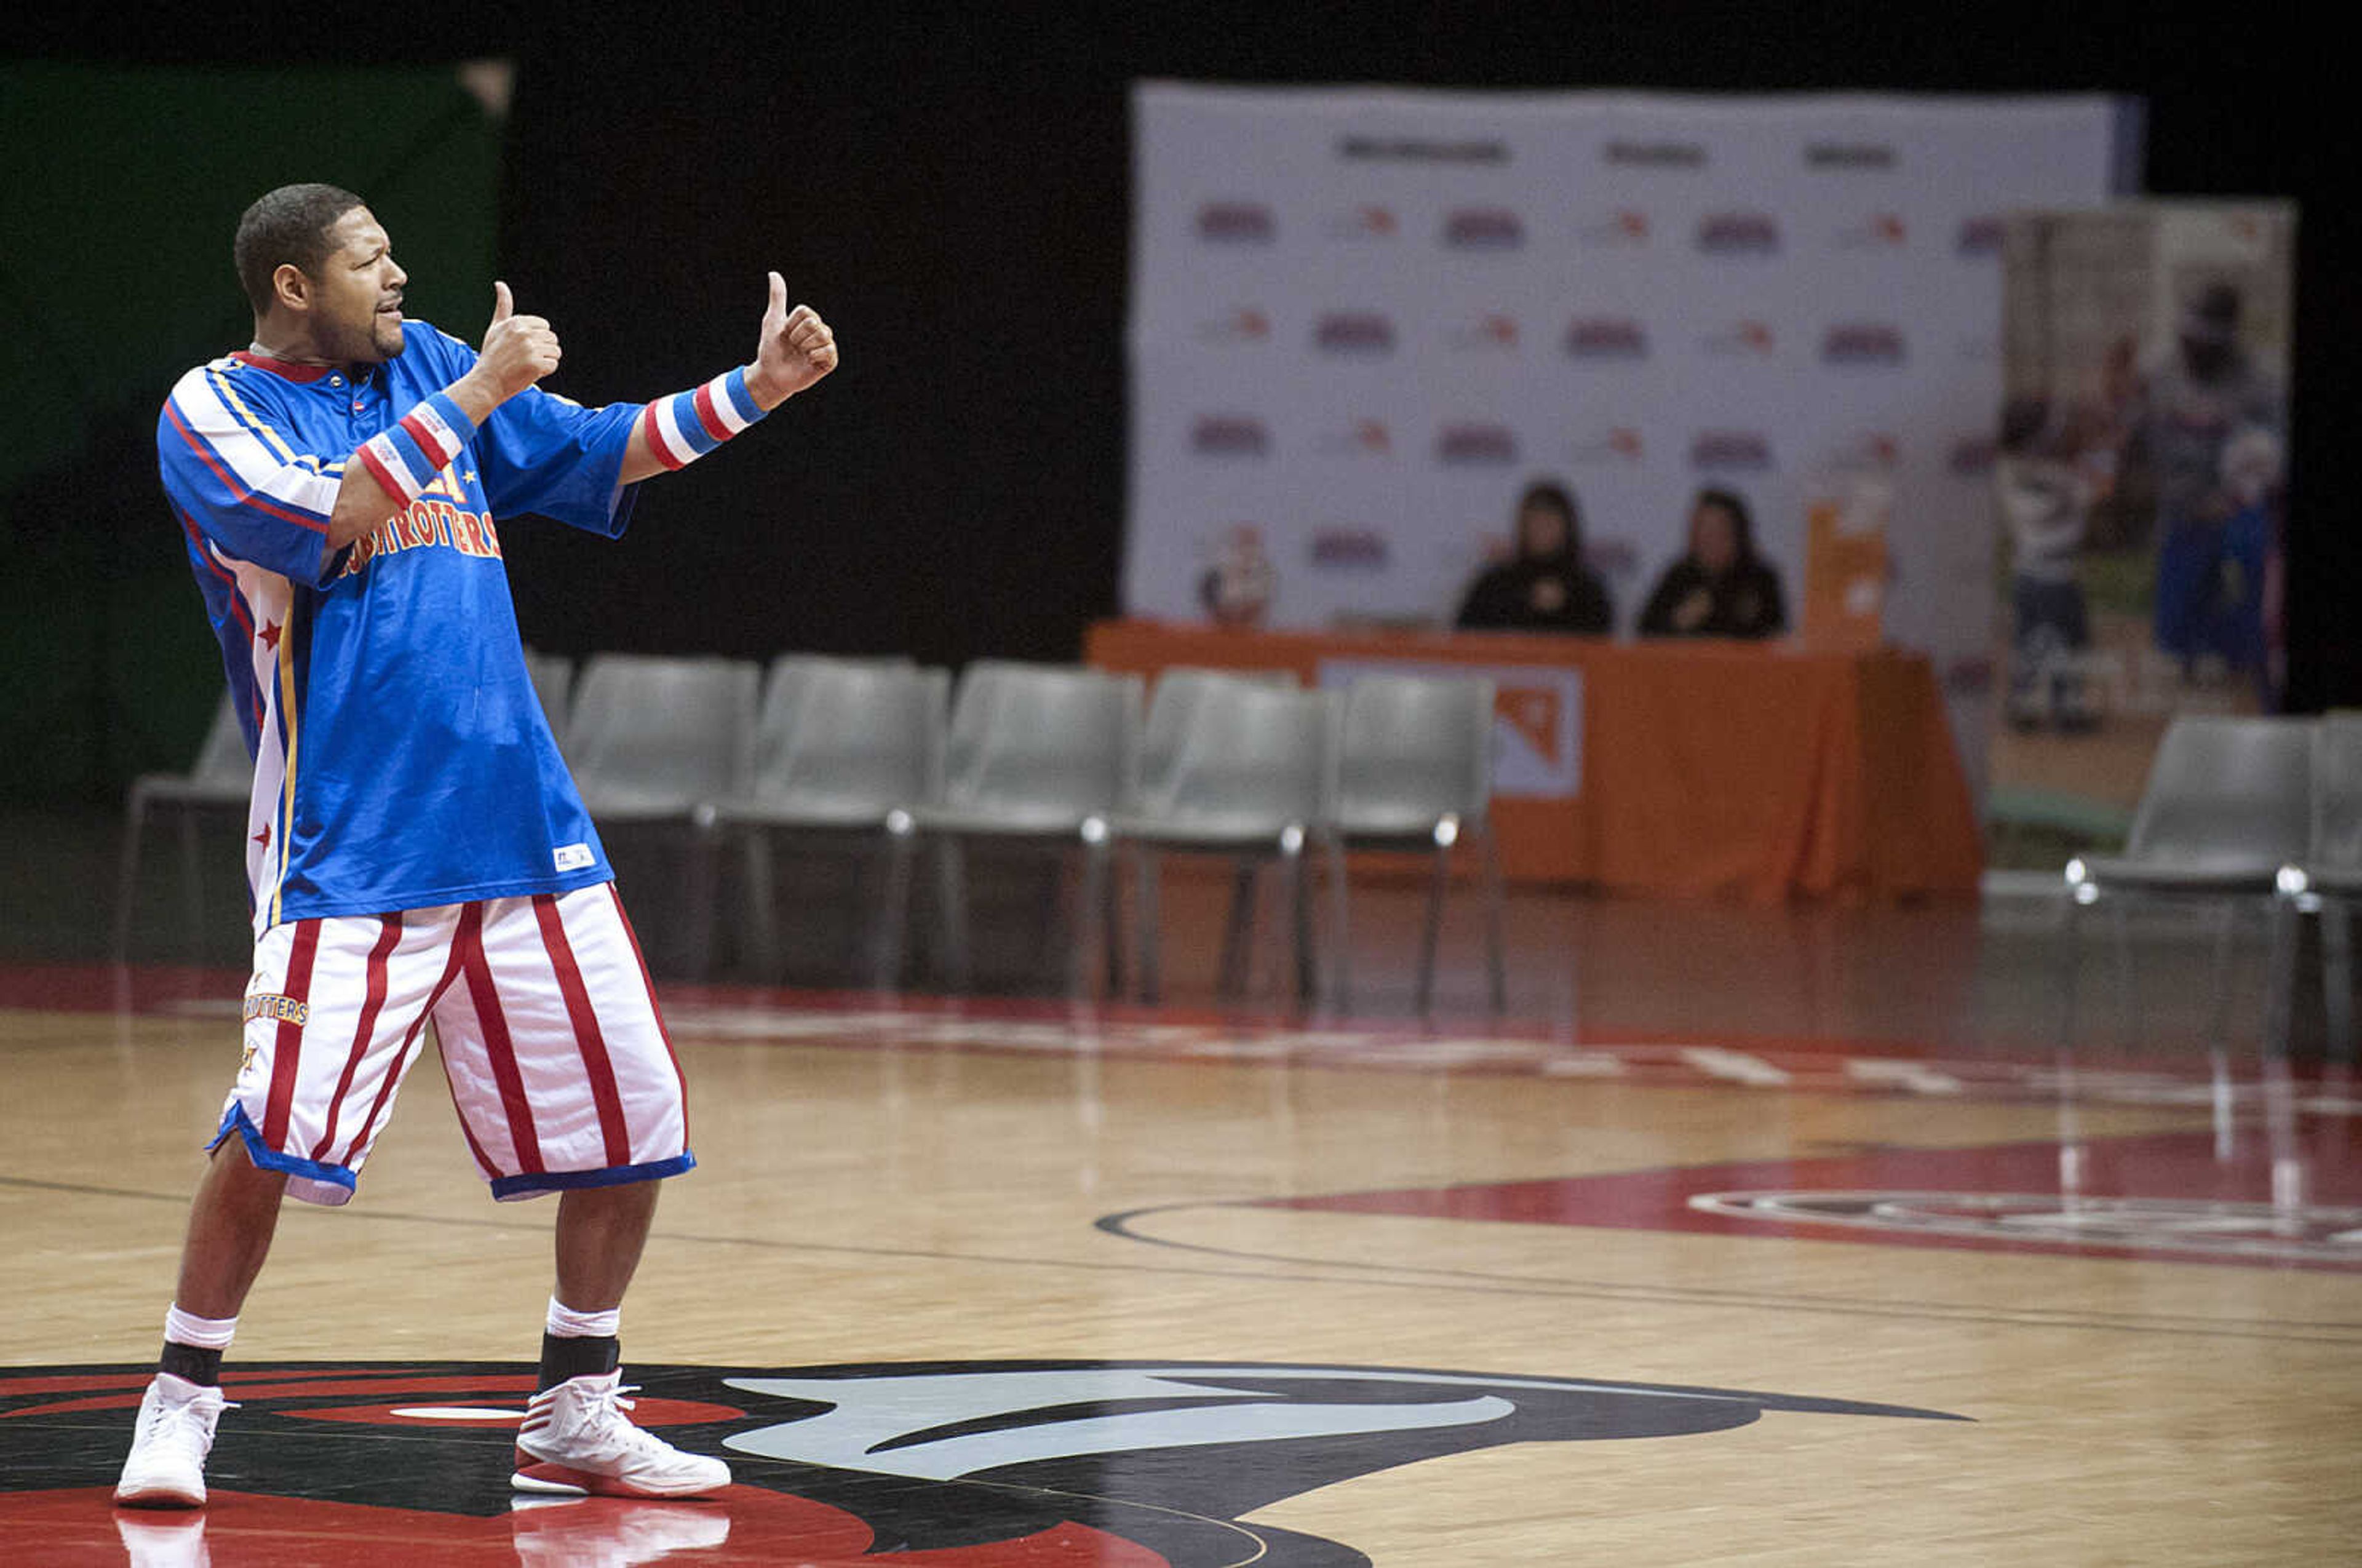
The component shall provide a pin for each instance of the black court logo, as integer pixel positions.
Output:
(984, 1464)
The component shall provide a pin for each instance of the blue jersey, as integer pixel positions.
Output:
(401, 759)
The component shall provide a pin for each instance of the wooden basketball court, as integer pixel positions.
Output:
(1012, 1282)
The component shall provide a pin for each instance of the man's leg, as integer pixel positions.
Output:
(552, 996)
(600, 1231)
(231, 1222)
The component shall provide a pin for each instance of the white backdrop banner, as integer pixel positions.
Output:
(1363, 319)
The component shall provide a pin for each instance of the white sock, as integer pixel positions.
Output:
(204, 1334)
(568, 1324)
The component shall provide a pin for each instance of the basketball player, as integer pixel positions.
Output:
(415, 848)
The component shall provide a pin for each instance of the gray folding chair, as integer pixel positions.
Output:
(2326, 882)
(1415, 773)
(1179, 689)
(222, 778)
(1043, 755)
(843, 747)
(2227, 804)
(1249, 776)
(654, 741)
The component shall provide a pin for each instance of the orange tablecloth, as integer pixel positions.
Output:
(1706, 768)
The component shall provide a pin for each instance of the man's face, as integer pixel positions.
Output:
(357, 294)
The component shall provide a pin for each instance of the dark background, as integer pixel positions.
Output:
(951, 190)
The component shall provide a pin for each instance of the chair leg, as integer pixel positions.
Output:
(2337, 976)
(1341, 934)
(2070, 966)
(193, 883)
(893, 913)
(698, 886)
(1496, 964)
(951, 912)
(1437, 887)
(2127, 996)
(1237, 931)
(1299, 915)
(2218, 1044)
(2279, 979)
(762, 906)
(126, 876)
(1090, 907)
(1110, 919)
(1148, 910)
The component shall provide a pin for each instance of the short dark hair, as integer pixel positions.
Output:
(288, 225)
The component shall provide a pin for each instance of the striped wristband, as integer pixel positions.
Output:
(405, 459)
(684, 427)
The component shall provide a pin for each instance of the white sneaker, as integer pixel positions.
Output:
(576, 1440)
(167, 1466)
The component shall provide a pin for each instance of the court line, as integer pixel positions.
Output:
(1459, 1281)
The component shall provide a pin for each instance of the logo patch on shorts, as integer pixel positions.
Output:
(271, 1004)
(571, 857)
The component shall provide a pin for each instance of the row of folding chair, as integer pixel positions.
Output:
(2246, 813)
(1063, 758)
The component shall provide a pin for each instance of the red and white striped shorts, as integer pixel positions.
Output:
(556, 1054)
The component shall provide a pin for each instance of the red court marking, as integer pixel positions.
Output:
(740, 1525)
(2171, 1165)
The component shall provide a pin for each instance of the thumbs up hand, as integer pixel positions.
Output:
(796, 348)
(518, 350)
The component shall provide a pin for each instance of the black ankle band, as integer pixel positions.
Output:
(191, 1362)
(565, 1358)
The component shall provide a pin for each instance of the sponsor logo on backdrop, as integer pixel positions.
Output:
(1638, 154)
(1357, 438)
(1972, 455)
(1361, 333)
(1623, 227)
(1490, 333)
(1230, 436)
(1618, 444)
(1154, 1464)
(1245, 324)
(1738, 233)
(1874, 345)
(1421, 149)
(1864, 450)
(1879, 231)
(1607, 338)
(1745, 339)
(1475, 444)
(1979, 236)
(1731, 452)
(1483, 229)
(1347, 547)
(1368, 221)
(1838, 156)
(1237, 223)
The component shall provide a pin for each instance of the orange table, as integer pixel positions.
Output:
(1673, 768)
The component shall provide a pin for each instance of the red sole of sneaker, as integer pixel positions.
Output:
(557, 1480)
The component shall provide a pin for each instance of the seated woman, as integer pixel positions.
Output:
(1721, 587)
(1546, 588)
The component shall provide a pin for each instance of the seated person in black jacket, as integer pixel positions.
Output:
(1546, 588)
(1722, 588)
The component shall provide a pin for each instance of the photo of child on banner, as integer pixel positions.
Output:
(2139, 485)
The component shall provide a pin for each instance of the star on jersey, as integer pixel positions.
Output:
(269, 637)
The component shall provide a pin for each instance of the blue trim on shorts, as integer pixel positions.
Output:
(265, 1157)
(508, 1187)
